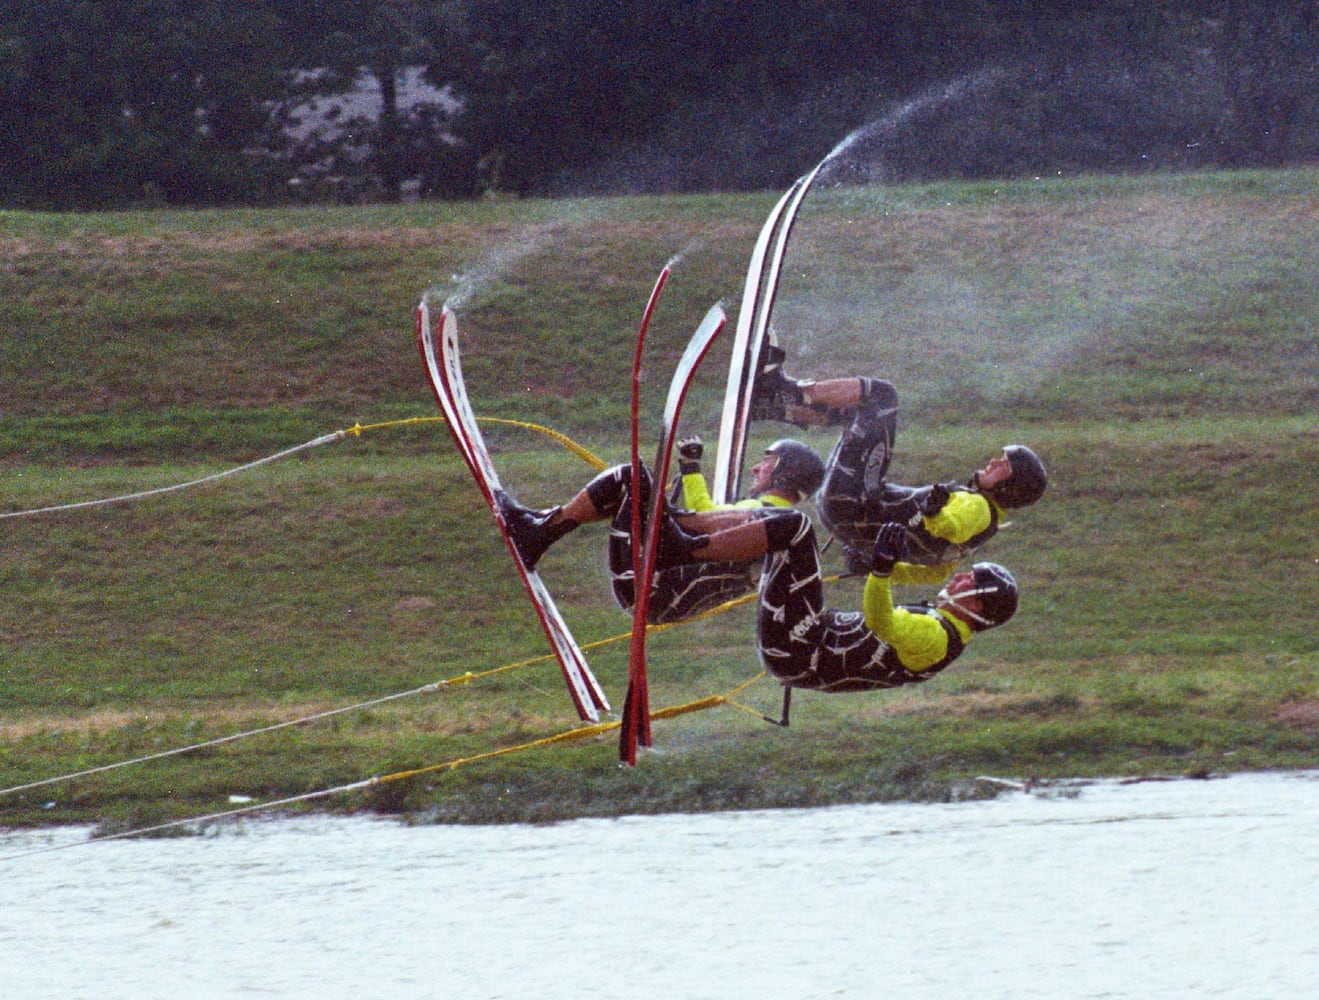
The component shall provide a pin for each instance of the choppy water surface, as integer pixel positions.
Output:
(1169, 889)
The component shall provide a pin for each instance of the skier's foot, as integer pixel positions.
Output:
(773, 392)
(530, 530)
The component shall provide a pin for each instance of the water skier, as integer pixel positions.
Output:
(946, 522)
(788, 473)
(806, 645)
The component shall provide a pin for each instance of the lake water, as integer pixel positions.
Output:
(1146, 890)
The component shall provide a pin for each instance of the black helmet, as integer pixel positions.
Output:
(798, 467)
(997, 591)
(1027, 482)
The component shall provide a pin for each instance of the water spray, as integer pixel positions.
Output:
(937, 95)
(693, 247)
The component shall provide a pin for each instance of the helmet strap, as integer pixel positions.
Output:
(954, 600)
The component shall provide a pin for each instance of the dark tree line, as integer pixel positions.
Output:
(197, 102)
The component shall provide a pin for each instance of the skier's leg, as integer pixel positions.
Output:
(612, 493)
(533, 531)
(859, 462)
(791, 597)
(803, 402)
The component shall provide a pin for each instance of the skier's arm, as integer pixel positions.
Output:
(696, 494)
(964, 516)
(696, 497)
(919, 640)
(914, 573)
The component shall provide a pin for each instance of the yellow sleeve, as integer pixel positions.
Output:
(919, 640)
(964, 516)
(912, 573)
(696, 497)
(696, 494)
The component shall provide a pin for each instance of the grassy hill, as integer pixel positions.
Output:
(1154, 338)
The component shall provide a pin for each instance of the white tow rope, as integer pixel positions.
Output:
(323, 439)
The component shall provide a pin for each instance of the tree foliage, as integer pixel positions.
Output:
(207, 101)
(138, 101)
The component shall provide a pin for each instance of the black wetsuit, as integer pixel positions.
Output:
(856, 498)
(677, 592)
(807, 645)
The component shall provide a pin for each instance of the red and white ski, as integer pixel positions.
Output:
(753, 320)
(635, 730)
(634, 703)
(636, 413)
(444, 367)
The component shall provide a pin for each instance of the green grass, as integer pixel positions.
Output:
(1153, 337)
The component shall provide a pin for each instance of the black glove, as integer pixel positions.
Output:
(690, 451)
(856, 562)
(936, 500)
(890, 547)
